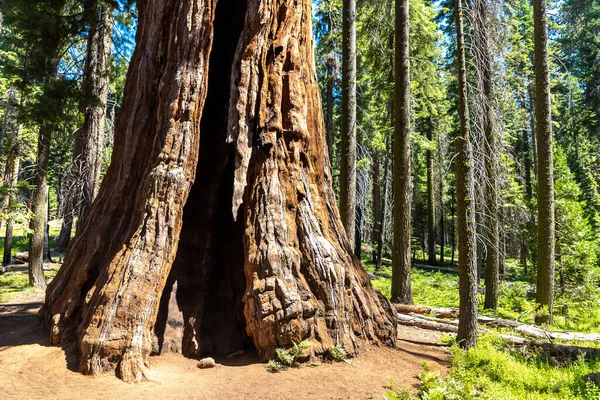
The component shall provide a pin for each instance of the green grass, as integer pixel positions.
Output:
(21, 238)
(16, 282)
(576, 310)
(493, 370)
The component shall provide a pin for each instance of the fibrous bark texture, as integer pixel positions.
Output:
(543, 117)
(401, 287)
(247, 137)
(301, 279)
(107, 292)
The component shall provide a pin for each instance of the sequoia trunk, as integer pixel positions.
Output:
(302, 280)
(107, 292)
(259, 246)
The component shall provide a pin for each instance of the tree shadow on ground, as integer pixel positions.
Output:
(20, 325)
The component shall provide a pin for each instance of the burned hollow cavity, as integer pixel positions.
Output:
(201, 309)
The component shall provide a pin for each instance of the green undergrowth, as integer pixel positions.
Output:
(492, 370)
(287, 358)
(578, 309)
(16, 281)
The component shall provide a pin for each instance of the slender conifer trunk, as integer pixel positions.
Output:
(545, 238)
(348, 136)
(401, 262)
(467, 258)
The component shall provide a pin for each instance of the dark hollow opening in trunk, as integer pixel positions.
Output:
(201, 310)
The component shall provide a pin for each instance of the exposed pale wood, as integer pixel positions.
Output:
(435, 268)
(449, 316)
(551, 349)
(423, 323)
(425, 310)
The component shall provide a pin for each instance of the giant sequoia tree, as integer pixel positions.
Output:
(219, 186)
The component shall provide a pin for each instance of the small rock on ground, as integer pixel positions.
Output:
(207, 362)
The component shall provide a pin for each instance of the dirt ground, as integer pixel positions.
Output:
(30, 369)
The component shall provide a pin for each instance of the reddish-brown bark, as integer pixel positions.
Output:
(279, 267)
(302, 279)
(106, 294)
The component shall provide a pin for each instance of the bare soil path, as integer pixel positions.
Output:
(30, 369)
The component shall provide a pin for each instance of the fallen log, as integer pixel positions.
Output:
(524, 329)
(482, 320)
(552, 349)
(423, 323)
(498, 322)
(425, 267)
(22, 256)
(444, 312)
(540, 333)
(434, 268)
